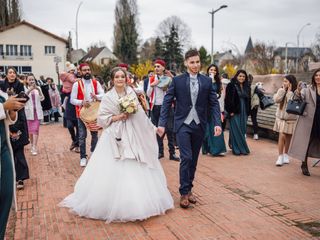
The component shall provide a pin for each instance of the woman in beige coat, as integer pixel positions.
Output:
(8, 116)
(306, 138)
(285, 122)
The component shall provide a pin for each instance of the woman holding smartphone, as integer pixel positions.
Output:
(34, 112)
(18, 131)
(285, 122)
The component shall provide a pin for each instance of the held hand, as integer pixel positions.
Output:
(168, 73)
(123, 116)
(14, 103)
(14, 135)
(231, 114)
(160, 131)
(222, 117)
(155, 83)
(86, 104)
(93, 96)
(217, 131)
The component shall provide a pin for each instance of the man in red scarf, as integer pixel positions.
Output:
(156, 95)
(83, 93)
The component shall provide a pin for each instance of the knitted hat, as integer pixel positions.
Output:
(83, 65)
(161, 62)
(70, 66)
(123, 65)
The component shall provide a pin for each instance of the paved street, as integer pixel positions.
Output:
(245, 197)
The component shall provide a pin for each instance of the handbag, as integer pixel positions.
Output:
(265, 102)
(296, 106)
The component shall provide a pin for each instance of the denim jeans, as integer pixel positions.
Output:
(82, 139)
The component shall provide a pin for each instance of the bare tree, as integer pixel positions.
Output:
(239, 61)
(4, 15)
(14, 11)
(262, 57)
(183, 30)
(316, 45)
(147, 50)
(9, 12)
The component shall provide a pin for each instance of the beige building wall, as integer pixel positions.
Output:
(41, 63)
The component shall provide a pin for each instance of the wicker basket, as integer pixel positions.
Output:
(90, 114)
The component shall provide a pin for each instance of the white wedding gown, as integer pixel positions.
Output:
(119, 190)
(124, 190)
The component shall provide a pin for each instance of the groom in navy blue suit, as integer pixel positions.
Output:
(194, 97)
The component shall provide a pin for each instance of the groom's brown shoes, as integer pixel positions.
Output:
(192, 199)
(184, 202)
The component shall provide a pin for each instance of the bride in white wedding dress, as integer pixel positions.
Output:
(124, 180)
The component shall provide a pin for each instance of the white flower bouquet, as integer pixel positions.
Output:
(128, 104)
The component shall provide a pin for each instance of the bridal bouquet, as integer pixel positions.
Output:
(128, 104)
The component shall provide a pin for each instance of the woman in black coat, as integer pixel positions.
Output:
(18, 131)
(238, 106)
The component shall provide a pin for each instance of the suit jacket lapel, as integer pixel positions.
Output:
(200, 85)
(188, 87)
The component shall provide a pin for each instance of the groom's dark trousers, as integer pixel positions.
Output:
(190, 138)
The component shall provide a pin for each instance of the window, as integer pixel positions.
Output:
(26, 69)
(49, 50)
(11, 50)
(1, 50)
(2, 69)
(25, 50)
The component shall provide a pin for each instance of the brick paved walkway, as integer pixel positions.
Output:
(238, 198)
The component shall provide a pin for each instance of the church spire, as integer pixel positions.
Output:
(249, 47)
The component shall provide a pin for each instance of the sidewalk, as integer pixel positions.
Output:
(245, 197)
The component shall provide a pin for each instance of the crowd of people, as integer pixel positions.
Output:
(191, 109)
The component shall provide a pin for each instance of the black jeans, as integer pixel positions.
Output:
(253, 114)
(155, 115)
(21, 165)
(72, 126)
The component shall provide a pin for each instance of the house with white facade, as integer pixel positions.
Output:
(100, 56)
(220, 58)
(30, 48)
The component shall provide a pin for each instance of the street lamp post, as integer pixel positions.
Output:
(212, 26)
(77, 43)
(298, 37)
(286, 57)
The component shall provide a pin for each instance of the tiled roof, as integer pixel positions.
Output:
(23, 22)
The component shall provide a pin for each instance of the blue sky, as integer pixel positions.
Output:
(272, 21)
